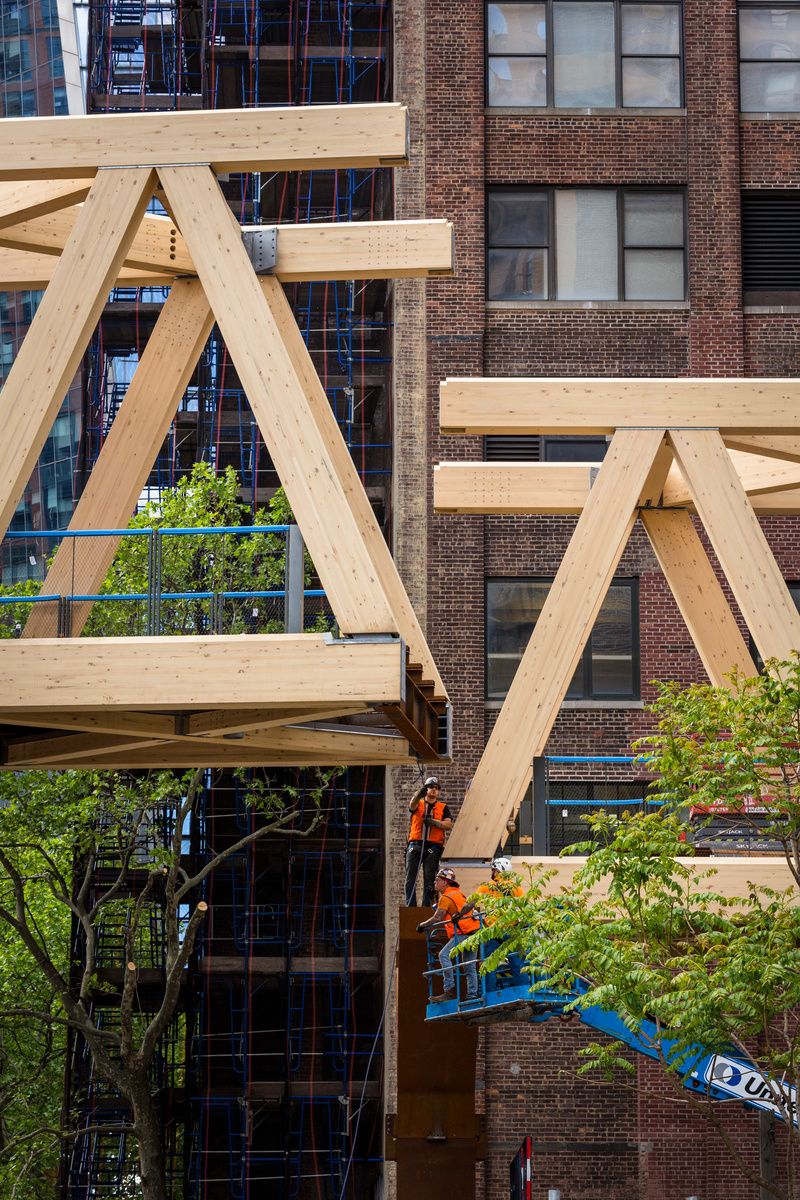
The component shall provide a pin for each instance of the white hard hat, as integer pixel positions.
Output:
(502, 864)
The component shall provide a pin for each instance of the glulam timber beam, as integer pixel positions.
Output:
(279, 401)
(323, 746)
(549, 489)
(31, 198)
(174, 755)
(224, 671)
(524, 722)
(536, 488)
(65, 319)
(775, 446)
(24, 269)
(341, 463)
(758, 473)
(339, 250)
(176, 726)
(738, 541)
(251, 139)
(698, 594)
(364, 250)
(601, 406)
(732, 875)
(156, 247)
(226, 721)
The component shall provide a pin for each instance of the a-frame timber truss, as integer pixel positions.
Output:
(725, 450)
(73, 195)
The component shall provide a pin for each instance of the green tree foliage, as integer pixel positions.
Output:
(48, 819)
(204, 564)
(650, 937)
(104, 854)
(734, 750)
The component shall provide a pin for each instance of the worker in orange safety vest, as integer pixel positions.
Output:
(430, 822)
(457, 927)
(502, 882)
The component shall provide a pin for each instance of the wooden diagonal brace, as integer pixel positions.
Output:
(564, 624)
(60, 332)
(739, 542)
(279, 401)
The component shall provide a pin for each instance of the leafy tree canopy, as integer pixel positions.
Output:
(647, 933)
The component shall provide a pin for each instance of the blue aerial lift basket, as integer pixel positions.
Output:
(506, 994)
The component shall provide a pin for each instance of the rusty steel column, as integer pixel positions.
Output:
(435, 1137)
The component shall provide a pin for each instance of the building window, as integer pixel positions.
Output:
(586, 244)
(583, 54)
(771, 247)
(609, 665)
(15, 60)
(19, 103)
(769, 57)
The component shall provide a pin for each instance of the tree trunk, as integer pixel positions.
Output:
(152, 1167)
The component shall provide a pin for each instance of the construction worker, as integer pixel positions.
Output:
(502, 881)
(430, 821)
(451, 901)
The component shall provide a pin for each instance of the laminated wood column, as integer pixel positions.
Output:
(698, 594)
(564, 624)
(739, 542)
(279, 402)
(342, 463)
(60, 332)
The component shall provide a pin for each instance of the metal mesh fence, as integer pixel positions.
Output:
(573, 787)
(138, 582)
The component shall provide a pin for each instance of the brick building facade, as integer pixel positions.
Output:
(592, 1140)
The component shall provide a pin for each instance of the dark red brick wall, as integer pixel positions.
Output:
(594, 1140)
(619, 149)
(770, 154)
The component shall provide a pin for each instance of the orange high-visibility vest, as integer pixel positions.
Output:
(466, 924)
(417, 830)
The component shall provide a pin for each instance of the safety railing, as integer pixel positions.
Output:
(159, 581)
(459, 1001)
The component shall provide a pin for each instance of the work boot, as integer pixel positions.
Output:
(441, 999)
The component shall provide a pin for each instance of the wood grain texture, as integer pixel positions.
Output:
(341, 463)
(326, 746)
(156, 247)
(738, 541)
(27, 199)
(279, 402)
(339, 250)
(599, 406)
(698, 594)
(731, 879)
(565, 622)
(547, 488)
(774, 446)
(224, 671)
(22, 269)
(60, 331)
(250, 139)
(126, 459)
(759, 474)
